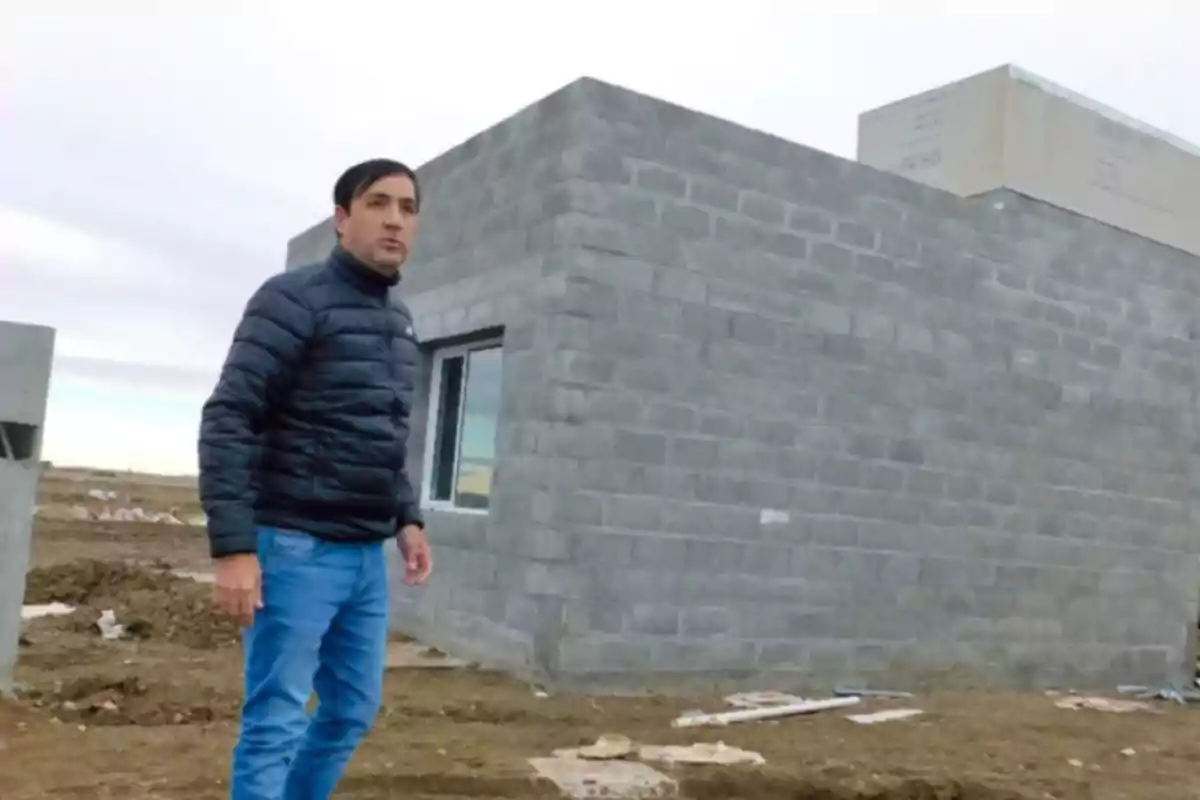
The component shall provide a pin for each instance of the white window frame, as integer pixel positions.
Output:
(433, 413)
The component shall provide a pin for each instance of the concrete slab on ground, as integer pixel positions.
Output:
(578, 778)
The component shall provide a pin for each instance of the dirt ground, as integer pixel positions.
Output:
(153, 714)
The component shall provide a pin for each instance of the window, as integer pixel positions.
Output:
(17, 441)
(460, 442)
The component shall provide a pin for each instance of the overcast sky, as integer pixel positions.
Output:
(156, 156)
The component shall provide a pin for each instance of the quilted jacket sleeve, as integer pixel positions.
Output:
(408, 506)
(267, 347)
(408, 509)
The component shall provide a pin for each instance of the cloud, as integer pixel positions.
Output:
(156, 157)
(137, 377)
(111, 299)
(34, 244)
(28, 238)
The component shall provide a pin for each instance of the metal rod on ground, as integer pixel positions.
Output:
(842, 692)
(767, 712)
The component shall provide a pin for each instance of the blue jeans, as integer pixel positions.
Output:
(323, 626)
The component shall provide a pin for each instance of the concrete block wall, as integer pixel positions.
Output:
(26, 355)
(805, 418)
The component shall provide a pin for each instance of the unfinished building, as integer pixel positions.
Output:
(702, 403)
(26, 354)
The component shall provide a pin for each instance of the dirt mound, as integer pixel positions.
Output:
(707, 785)
(441, 784)
(132, 701)
(755, 785)
(78, 582)
(148, 601)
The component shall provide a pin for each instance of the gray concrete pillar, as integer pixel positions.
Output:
(26, 355)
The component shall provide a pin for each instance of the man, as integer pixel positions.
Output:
(303, 456)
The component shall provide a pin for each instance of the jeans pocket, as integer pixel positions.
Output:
(293, 545)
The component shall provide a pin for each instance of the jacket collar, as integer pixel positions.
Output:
(359, 273)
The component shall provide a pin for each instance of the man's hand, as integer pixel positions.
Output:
(239, 587)
(418, 561)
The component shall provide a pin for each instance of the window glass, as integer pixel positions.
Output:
(465, 408)
(446, 446)
(481, 408)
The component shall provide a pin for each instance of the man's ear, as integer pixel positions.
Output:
(339, 219)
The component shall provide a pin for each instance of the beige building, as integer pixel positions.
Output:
(1008, 128)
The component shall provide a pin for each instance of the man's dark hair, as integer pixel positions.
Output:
(361, 177)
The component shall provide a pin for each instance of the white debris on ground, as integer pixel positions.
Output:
(137, 515)
(102, 494)
(79, 513)
(877, 693)
(610, 747)
(109, 627)
(1103, 704)
(1180, 696)
(762, 699)
(193, 575)
(693, 719)
(887, 715)
(39, 610)
(777, 700)
(107, 623)
(700, 753)
(613, 766)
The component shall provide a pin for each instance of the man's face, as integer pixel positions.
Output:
(381, 223)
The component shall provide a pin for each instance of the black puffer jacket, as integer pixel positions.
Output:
(308, 425)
